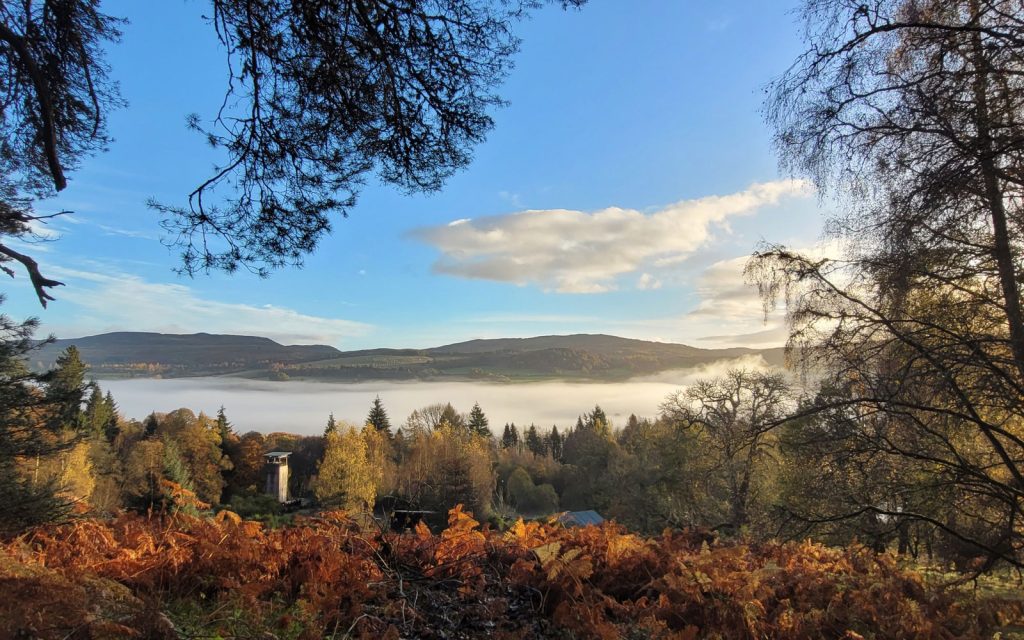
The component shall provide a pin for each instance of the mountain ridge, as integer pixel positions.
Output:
(574, 356)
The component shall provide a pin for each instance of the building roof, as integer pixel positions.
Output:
(580, 518)
(277, 454)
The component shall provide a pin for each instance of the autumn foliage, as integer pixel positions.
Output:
(182, 576)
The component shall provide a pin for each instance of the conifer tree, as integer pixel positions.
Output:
(199, 445)
(332, 425)
(555, 443)
(534, 442)
(401, 445)
(598, 421)
(25, 498)
(97, 411)
(449, 416)
(379, 417)
(224, 428)
(175, 469)
(478, 423)
(65, 390)
(229, 443)
(150, 425)
(111, 429)
(507, 441)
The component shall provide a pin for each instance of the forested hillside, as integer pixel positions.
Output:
(591, 357)
(152, 354)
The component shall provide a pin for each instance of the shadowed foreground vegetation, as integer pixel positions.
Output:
(173, 576)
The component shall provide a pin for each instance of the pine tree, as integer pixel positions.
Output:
(150, 425)
(534, 442)
(97, 412)
(478, 423)
(198, 443)
(25, 500)
(176, 470)
(556, 444)
(452, 418)
(65, 390)
(229, 443)
(598, 421)
(112, 428)
(507, 441)
(379, 417)
(224, 428)
(332, 425)
(401, 445)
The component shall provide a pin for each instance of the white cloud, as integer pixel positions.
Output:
(725, 294)
(42, 230)
(718, 368)
(648, 282)
(129, 233)
(578, 252)
(731, 308)
(121, 302)
(775, 336)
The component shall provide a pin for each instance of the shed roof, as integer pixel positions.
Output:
(277, 454)
(580, 518)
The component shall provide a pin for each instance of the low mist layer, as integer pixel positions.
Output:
(303, 407)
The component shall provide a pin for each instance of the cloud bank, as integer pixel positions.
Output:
(577, 252)
(731, 308)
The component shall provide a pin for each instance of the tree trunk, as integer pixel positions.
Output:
(1002, 251)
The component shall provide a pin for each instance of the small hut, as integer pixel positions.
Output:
(580, 518)
(276, 470)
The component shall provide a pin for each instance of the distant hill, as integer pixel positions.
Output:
(581, 356)
(145, 354)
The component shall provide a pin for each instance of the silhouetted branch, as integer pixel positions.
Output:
(39, 282)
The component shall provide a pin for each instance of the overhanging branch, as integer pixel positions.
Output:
(39, 282)
(49, 132)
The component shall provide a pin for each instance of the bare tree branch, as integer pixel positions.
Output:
(39, 282)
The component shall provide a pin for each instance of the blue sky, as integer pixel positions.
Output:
(620, 192)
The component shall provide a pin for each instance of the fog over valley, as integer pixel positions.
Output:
(303, 407)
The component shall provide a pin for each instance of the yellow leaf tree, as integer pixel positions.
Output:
(76, 475)
(345, 477)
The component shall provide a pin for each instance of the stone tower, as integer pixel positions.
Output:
(276, 470)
